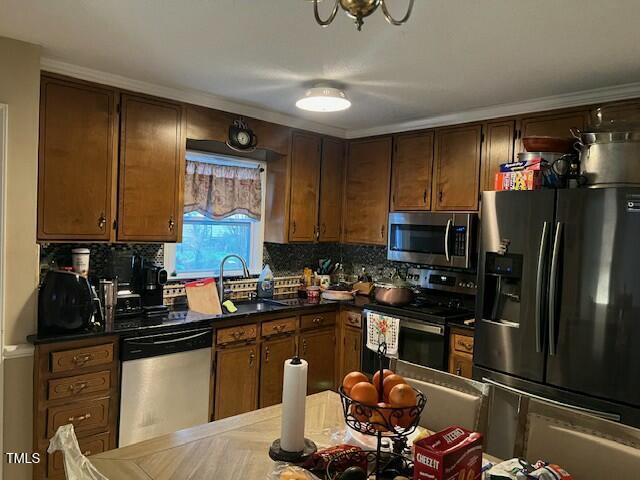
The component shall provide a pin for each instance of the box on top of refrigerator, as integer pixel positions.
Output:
(453, 453)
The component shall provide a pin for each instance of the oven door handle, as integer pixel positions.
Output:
(446, 240)
(422, 327)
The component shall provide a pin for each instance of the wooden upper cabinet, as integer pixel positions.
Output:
(552, 124)
(498, 149)
(208, 124)
(331, 183)
(77, 160)
(411, 172)
(152, 169)
(457, 168)
(305, 185)
(366, 195)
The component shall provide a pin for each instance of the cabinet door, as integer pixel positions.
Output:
(366, 196)
(305, 181)
(77, 161)
(552, 125)
(461, 364)
(236, 381)
(411, 172)
(152, 168)
(331, 183)
(274, 354)
(351, 351)
(498, 149)
(318, 349)
(457, 168)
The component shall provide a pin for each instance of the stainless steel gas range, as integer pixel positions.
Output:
(444, 298)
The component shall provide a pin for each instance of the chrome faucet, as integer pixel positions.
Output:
(245, 272)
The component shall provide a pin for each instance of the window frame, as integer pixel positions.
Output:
(257, 228)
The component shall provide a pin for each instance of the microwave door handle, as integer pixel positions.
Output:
(539, 284)
(446, 240)
(553, 289)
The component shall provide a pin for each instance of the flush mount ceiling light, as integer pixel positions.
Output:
(323, 98)
(359, 9)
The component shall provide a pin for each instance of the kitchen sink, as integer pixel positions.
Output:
(257, 306)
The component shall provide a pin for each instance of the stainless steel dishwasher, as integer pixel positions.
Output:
(165, 383)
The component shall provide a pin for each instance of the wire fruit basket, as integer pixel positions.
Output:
(394, 423)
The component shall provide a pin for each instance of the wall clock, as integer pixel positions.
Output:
(241, 137)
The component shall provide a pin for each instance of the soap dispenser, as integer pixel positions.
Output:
(265, 283)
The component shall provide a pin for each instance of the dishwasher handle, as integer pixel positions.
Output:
(145, 346)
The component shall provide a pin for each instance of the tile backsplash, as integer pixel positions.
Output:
(284, 259)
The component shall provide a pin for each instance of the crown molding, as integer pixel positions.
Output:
(576, 99)
(188, 96)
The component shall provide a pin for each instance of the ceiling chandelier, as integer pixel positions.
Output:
(359, 9)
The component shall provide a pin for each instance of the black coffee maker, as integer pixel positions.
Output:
(148, 281)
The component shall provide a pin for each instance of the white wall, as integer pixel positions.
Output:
(19, 89)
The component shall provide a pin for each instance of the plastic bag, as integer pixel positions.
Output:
(286, 471)
(76, 465)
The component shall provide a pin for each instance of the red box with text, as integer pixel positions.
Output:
(453, 453)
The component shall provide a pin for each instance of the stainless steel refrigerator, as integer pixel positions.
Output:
(558, 304)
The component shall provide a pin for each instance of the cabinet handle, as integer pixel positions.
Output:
(382, 231)
(82, 359)
(294, 227)
(459, 371)
(76, 388)
(86, 453)
(252, 357)
(440, 196)
(304, 346)
(80, 418)
(279, 328)
(317, 320)
(355, 344)
(172, 224)
(324, 228)
(424, 197)
(238, 334)
(102, 222)
(316, 232)
(266, 354)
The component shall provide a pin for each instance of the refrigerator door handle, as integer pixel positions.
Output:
(544, 240)
(606, 415)
(553, 288)
(446, 240)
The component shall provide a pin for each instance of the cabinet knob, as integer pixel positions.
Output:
(102, 222)
(317, 320)
(172, 224)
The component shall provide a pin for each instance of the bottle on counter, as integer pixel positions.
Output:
(265, 283)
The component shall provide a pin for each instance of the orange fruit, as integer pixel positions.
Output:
(390, 382)
(364, 393)
(381, 417)
(376, 377)
(402, 395)
(351, 379)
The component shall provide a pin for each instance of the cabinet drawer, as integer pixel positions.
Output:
(84, 416)
(71, 387)
(88, 446)
(316, 320)
(282, 325)
(462, 343)
(353, 319)
(81, 357)
(236, 334)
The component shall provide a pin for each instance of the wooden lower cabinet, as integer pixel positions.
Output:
(350, 358)
(461, 352)
(75, 382)
(274, 353)
(318, 349)
(236, 380)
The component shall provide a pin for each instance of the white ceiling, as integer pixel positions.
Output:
(452, 56)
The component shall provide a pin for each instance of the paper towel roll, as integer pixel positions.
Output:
(294, 395)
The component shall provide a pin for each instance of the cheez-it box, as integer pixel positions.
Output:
(452, 454)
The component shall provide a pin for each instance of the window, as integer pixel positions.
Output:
(205, 241)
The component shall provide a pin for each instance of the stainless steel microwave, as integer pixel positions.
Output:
(439, 239)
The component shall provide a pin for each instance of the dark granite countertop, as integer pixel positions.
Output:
(185, 318)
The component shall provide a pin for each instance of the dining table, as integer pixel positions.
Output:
(234, 448)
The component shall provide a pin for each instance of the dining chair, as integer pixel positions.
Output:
(451, 400)
(586, 446)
